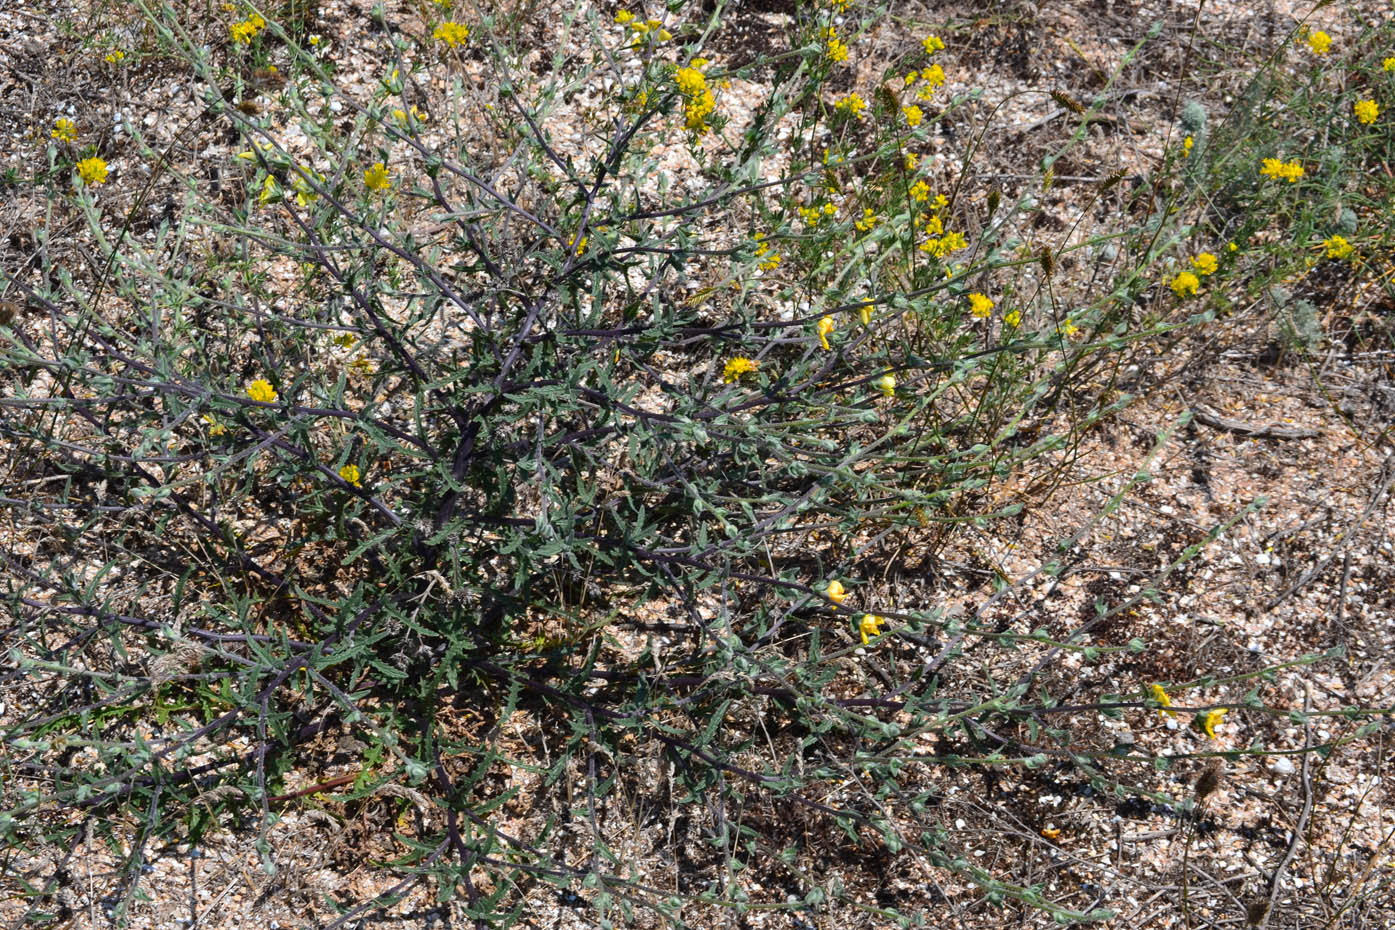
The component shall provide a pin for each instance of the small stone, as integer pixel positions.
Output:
(1282, 766)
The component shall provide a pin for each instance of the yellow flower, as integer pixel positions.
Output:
(1187, 144)
(980, 306)
(350, 474)
(1319, 42)
(1209, 720)
(870, 626)
(1366, 111)
(304, 193)
(362, 366)
(1290, 171)
(932, 44)
(1205, 264)
(246, 30)
(934, 76)
(737, 367)
(912, 160)
(835, 592)
(624, 16)
(914, 115)
(64, 130)
(262, 391)
(865, 312)
(1185, 283)
(1337, 247)
(580, 246)
(376, 177)
(115, 56)
(869, 219)
(453, 34)
(837, 49)
(1388, 64)
(1163, 700)
(1068, 328)
(1013, 318)
(698, 102)
(886, 384)
(214, 427)
(92, 170)
(852, 103)
(825, 327)
(1232, 247)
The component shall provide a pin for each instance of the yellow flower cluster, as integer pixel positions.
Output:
(737, 367)
(376, 177)
(1288, 171)
(920, 191)
(932, 44)
(980, 306)
(1366, 111)
(769, 260)
(1185, 283)
(698, 102)
(1205, 264)
(1337, 247)
(643, 28)
(941, 243)
(453, 34)
(261, 391)
(304, 193)
(914, 115)
(92, 170)
(934, 77)
(1319, 42)
(869, 219)
(1388, 64)
(64, 130)
(115, 56)
(816, 214)
(350, 473)
(852, 104)
(837, 50)
(246, 30)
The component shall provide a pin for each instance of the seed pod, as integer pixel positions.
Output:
(886, 95)
(993, 197)
(1067, 101)
(1110, 181)
(1209, 780)
(1048, 261)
